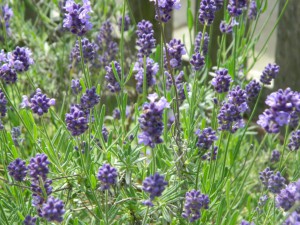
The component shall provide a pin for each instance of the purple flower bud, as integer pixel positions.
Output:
(197, 61)
(38, 167)
(113, 85)
(29, 220)
(273, 181)
(275, 157)
(205, 42)
(89, 99)
(165, 8)
(270, 72)
(76, 86)
(126, 23)
(207, 12)
(53, 210)
(88, 51)
(294, 142)
(145, 38)
(105, 133)
(151, 71)
(286, 198)
(206, 138)
(151, 122)
(6, 14)
(107, 175)
(238, 97)
(235, 7)
(222, 81)
(293, 219)
(252, 90)
(252, 13)
(40, 103)
(194, 202)
(244, 222)
(219, 4)
(77, 18)
(77, 121)
(230, 118)
(3, 104)
(154, 185)
(21, 58)
(175, 51)
(15, 135)
(17, 169)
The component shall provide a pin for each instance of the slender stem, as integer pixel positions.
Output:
(85, 73)
(197, 175)
(145, 216)
(106, 207)
(225, 156)
(284, 145)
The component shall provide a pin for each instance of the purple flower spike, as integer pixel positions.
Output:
(236, 7)
(6, 14)
(88, 51)
(154, 185)
(244, 222)
(151, 71)
(194, 202)
(17, 169)
(270, 73)
(107, 175)
(53, 210)
(293, 219)
(77, 18)
(197, 61)
(77, 121)
(294, 142)
(38, 167)
(207, 12)
(76, 86)
(275, 157)
(113, 85)
(21, 58)
(145, 38)
(206, 138)
(175, 51)
(165, 8)
(252, 13)
(151, 122)
(222, 81)
(226, 28)
(29, 220)
(287, 197)
(204, 47)
(126, 23)
(3, 104)
(40, 103)
(89, 99)
(252, 90)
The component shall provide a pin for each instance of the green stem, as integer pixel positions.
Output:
(145, 216)
(85, 72)
(284, 145)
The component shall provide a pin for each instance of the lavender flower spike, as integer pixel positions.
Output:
(222, 81)
(17, 169)
(270, 72)
(151, 121)
(53, 210)
(40, 103)
(113, 85)
(294, 142)
(107, 175)
(145, 38)
(154, 185)
(77, 122)
(207, 11)
(29, 220)
(165, 8)
(77, 18)
(3, 104)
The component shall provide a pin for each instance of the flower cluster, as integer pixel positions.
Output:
(29, 220)
(165, 8)
(126, 23)
(179, 82)
(107, 47)
(284, 109)
(150, 73)
(275, 156)
(151, 122)
(3, 107)
(206, 138)
(6, 14)
(211, 155)
(288, 196)
(145, 38)
(107, 175)
(17, 169)
(53, 210)
(76, 120)
(221, 81)
(252, 13)
(113, 85)
(15, 135)
(252, 89)
(235, 7)
(194, 202)
(76, 86)
(89, 99)
(294, 142)
(207, 12)
(274, 182)
(244, 222)
(154, 185)
(200, 49)
(77, 18)
(88, 51)
(269, 73)
(219, 4)
(175, 50)
(40, 103)
(293, 219)
(14, 62)
(226, 28)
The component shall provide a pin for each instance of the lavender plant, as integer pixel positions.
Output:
(137, 126)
